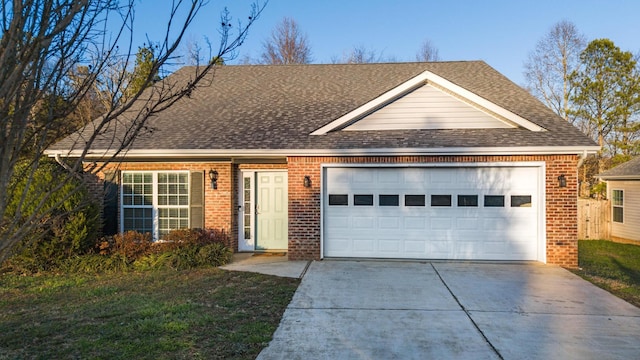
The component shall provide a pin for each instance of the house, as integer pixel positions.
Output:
(623, 189)
(443, 160)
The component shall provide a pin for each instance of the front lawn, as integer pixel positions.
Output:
(612, 266)
(195, 314)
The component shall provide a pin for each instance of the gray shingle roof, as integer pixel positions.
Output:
(268, 107)
(627, 170)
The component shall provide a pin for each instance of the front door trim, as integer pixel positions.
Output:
(247, 208)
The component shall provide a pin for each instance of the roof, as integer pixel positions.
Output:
(257, 110)
(626, 171)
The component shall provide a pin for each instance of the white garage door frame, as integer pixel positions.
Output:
(540, 165)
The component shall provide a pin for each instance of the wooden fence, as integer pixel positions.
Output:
(594, 219)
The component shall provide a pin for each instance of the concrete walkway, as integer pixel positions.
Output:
(268, 263)
(452, 310)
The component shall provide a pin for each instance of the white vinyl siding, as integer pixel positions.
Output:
(428, 108)
(630, 227)
(154, 202)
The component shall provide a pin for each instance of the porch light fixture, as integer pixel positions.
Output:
(562, 181)
(307, 181)
(213, 176)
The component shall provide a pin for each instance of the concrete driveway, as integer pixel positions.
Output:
(452, 310)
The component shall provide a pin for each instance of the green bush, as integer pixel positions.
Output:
(214, 254)
(68, 220)
(95, 264)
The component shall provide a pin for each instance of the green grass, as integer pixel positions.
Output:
(196, 314)
(612, 266)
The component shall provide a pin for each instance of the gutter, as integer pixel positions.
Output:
(275, 153)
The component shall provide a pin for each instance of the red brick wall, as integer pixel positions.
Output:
(304, 203)
(218, 212)
(561, 203)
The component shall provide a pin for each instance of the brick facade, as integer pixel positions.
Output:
(304, 203)
(561, 203)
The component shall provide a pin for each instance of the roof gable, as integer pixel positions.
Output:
(629, 170)
(381, 113)
(428, 107)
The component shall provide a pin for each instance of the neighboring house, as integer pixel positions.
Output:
(444, 160)
(623, 190)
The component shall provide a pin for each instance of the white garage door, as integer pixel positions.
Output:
(473, 213)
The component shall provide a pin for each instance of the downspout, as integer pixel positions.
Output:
(582, 157)
(63, 164)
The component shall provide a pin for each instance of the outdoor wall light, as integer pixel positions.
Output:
(213, 176)
(562, 181)
(307, 181)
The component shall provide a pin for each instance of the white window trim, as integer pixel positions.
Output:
(613, 205)
(154, 206)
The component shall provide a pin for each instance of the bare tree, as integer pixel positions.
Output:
(359, 55)
(287, 45)
(54, 55)
(428, 52)
(549, 65)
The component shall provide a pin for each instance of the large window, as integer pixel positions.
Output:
(618, 206)
(155, 202)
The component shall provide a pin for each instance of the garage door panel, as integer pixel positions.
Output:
(414, 223)
(363, 222)
(415, 247)
(441, 223)
(363, 245)
(389, 222)
(390, 246)
(467, 223)
(491, 231)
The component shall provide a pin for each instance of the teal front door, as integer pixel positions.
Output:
(271, 211)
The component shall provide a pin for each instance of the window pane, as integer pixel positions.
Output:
(172, 190)
(389, 200)
(440, 200)
(467, 200)
(363, 200)
(618, 197)
(414, 200)
(494, 200)
(338, 199)
(520, 200)
(137, 220)
(618, 214)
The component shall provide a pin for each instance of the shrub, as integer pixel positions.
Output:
(69, 220)
(214, 254)
(95, 263)
(131, 245)
(180, 250)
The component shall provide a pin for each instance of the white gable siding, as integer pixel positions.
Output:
(428, 108)
(630, 228)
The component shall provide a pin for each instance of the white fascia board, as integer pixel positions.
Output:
(416, 82)
(273, 153)
(618, 177)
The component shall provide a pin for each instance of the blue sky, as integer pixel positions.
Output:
(500, 32)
